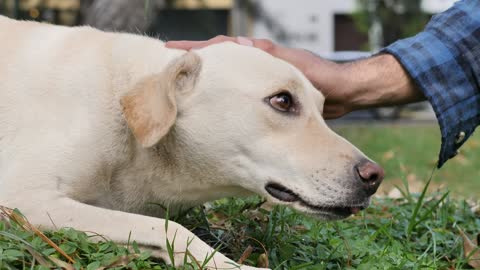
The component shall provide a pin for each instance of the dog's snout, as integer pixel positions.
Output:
(371, 175)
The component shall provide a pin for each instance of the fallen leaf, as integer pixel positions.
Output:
(388, 155)
(262, 261)
(245, 255)
(267, 206)
(257, 215)
(461, 159)
(395, 194)
(474, 206)
(471, 250)
(300, 228)
(218, 218)
(39, 257)
(412, 178)
(473, 143)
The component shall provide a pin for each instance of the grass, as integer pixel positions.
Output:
(418, 231)
(410, 152)
(415, 232)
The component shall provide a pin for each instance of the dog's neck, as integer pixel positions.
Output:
(157, 178)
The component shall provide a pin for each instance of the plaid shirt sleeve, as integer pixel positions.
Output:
(444, 62)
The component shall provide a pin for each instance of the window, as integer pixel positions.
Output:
(347, 37)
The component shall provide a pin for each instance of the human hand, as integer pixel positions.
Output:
(374, 82)
(320, 72)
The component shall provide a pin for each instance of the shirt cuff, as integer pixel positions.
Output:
(441, 74)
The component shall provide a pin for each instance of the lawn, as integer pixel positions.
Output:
(411, 232)
(410, 152)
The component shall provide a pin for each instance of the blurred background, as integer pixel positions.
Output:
(338, 30)
(405, 140)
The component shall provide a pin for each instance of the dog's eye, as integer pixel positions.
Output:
(282, 101)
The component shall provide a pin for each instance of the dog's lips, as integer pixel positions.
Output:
(284, 194)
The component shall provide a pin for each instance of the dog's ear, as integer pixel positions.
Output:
(150, 107)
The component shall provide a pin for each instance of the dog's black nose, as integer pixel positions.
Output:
(371, 175)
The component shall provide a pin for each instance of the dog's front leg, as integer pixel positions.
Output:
(117, 225)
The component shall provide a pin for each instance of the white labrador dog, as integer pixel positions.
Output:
(95, 126)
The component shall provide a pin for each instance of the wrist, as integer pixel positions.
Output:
(379, 81)
(324, 74)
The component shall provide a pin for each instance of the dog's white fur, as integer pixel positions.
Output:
(95, 127)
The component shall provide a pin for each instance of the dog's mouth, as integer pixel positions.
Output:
(284, 194)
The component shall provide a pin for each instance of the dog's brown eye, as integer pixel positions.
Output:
(282, 101)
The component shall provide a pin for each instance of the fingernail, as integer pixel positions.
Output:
(244, 41)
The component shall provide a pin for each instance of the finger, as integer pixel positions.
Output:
(333, 113)
(215, 40)
(190, 45)
(221, 38)
(265, 45)
(182, 44)
(331, 116)
(244, 41)
(294, 56)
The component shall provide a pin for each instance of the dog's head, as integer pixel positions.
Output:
(244, 121)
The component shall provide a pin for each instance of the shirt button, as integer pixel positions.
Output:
(460, 137)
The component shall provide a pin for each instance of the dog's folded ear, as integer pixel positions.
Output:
(150, 107)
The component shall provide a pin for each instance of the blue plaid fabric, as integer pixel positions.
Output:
(444, 62)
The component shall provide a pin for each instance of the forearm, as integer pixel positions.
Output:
(379, 81)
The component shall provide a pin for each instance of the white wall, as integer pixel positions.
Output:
(309, 24)
(435, 6)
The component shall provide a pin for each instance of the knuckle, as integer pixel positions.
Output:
(266, 45)
(220, 37)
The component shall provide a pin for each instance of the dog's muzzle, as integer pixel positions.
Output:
(284, 194)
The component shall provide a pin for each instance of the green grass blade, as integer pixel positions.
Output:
(431, 209)
(419, 204)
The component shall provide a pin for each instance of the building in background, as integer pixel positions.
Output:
(53, 11)
(167, 19)
(319, 26)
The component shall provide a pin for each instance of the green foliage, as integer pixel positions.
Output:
(392, 234)
(415, 233)
(399, 18)
(21, 249)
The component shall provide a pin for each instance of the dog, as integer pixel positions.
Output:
(97, 126)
